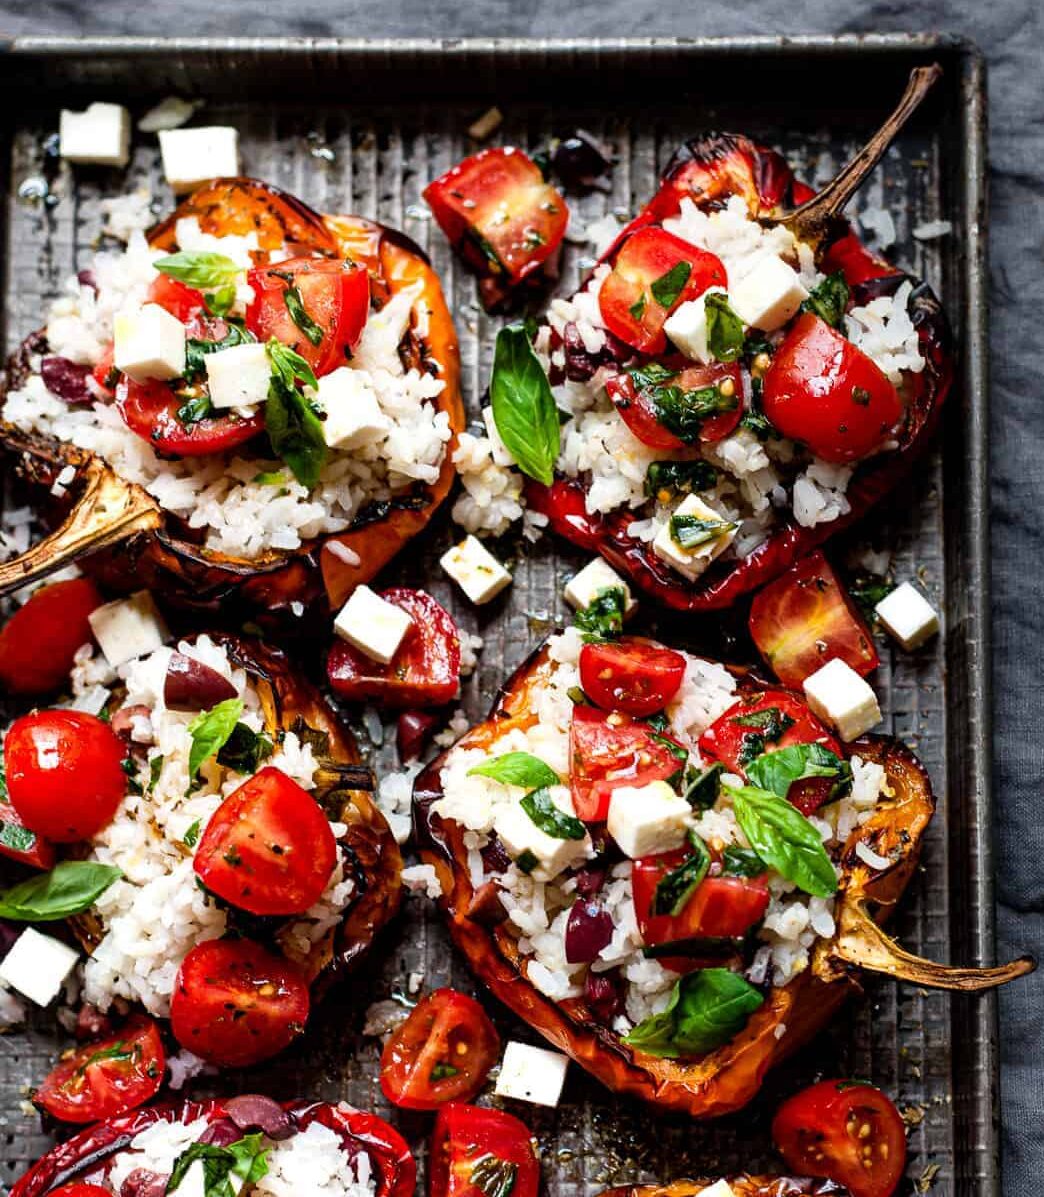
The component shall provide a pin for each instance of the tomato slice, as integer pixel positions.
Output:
(607, 751)
(316, 306)
(39, 642)
(640, 402)
(849, 1133)
(81, 1189)
(630, 675)
(477, 1151)
(499, 212)
(107, 1077)
(65, 773)
(805, 618)
(236, 1003)
(151, 408)
(425, 672)
(823, 391)
(442, 1052)
(19, 842)
(179, 299)
(653, 273)
(269, 848)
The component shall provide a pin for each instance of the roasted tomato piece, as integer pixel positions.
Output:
(65, 773)
(19, 842)
(179, 299)
(81, 1189)
(39, 642)
(653, 273)
(425, 672)
(107, 1077)
(442, 1052)
(611, 750)
(847, 1132)
(151, 409)
(823, 391)
(477, 1151)
(630, 675)
(269, 848)
(805, 618)
(236, 1003)
(499, 212)
(672, 407)
(316, 306)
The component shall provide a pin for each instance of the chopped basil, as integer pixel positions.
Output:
(16, 837)
(442, 1072)
(196, 349)
(777, 771)
(682, 412)
(552, 821)
(578, 696)
(524, 408)
(702, 792)
(866, 592)
(724, 328)
(518, 769)
(493, 1176)
(602, 618)
(221, 301)
(784, 839)
(270, 478)
(246, 1159)
(861, 396)
(637, 309)
(155, 769)
(210, 731)
(196, 408)
(665, 480)
(191, 837)
(754, 344)
(526, 861)
(829, 299)
(768, 725)
(293, 427)
(741, 862)
(245, 749)
(707, 1008)
(69, 888)
(201, 270)
(690, 531)
(666, 289)
(675, 888)
(758, 424)
(295, 306)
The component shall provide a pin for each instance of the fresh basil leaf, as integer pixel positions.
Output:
(784, 839)
(196, 349)
(191, 837)
(552, 821)
(155, 770)
(202, 270)
(524, 408)
(741, 862)
(17, 838)
(637, 309)
(245, 749)
(295, 306)
(703, 790)
(724, 328)
(777, 771)
(526, 862)
(290, 367)
(690, 531)
(675, 888)
(246, 1159)
(210, 731)
(707, 1008)
(866, 592)
(685, 412)
(829, 299)
(758, 424)
(665, 480)
(293, 427)
(69, 888)
(493, 1176)
(130, 767)
(518, 769)
(666, 289)
(603, 617)
(196, 408)
(221, 301)
(651, 374)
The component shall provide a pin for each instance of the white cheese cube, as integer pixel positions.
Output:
(100, 136)
(687, 327)
(353, 416)
(128, 628)
(839, 696)
(692, 562)
(475, 570)
(192, 156)
(532, 1074)
(372, 625)
(501, 453)
(595, 578)
(238, 376)
(646, 820)
(908, 616)
(149, 343)
(720, 1188)
(37, 966)
(769, 296)
(519, 834)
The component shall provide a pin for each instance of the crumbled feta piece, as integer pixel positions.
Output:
(37, 966)
(239, 375)
(687, 326)
(532, 1074)
(475, 570)
(372, 625)
(838, 695)
(646, 820)
(692, 562)
(99, 136)
(353, 416)
(520, 836)
(769, 295)
(149, 343)
(192, 156)
(128, 628)
(908, 616)
(594, 579)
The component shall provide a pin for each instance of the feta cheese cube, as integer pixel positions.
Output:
(520, 835)
(37, 966)
(238, 376)
(128, 628)
(532, 1074)
(99, 136)
(769, 295)
(692, 562)
(908, 616)
(353, 416)
(687, 326)
(475, 570)
(596, 577)
(192, 156)
(501, 453)
(149, 343)
(646, 820)
(838, 695)
(372, 625)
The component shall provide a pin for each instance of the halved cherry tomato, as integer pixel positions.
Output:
(269, 848)
(847, 1132)
(38, 643)
(176, 297)
(823, 391)
(476, 1151)
(442, 1052)
(607, 751)
(804, 619)
(425, 672)
(150, 409)
(236, 1003)
(649, 280)
(640, 410)
(630, 675)
(108, 1077)
(19, 842)
(316, 306)
(499, 212)
(105, 373)
(81, 1189)
(65, 773)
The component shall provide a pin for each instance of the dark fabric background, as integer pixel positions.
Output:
(1010, 34)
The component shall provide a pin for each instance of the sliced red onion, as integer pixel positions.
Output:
(192, 686)
(588, 931)
(580, 365)
(66, 379)
(123, 720)
(589, 881)
(494, 857)
(412, 732)
(255, 1110)
(485, 906)
(144, 1183)
(91, 1023)
(86, 278)
(221, 1132)
(603, 993)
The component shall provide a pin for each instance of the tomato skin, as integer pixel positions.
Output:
(425, 672)
(39, 642)
(810, 393)
(150, 409)
(86, 1088)
(64, 773)
(849, 1133)
(18, 842)
(444, 1028)
(80, 1189)
(804, 618)
(463, 1134)
(725, 740)
(235, 1003)
(719, 907)
(630, 675)
(269, 848)
(176, 297)
(637, 406)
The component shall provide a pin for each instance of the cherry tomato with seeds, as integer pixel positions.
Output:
(176, 297)
(630, 675)
(38, 644)
(476, 1151)
(151, 410)
(641, 412)
(21, 843)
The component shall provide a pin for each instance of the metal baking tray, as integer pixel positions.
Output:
(362, 126)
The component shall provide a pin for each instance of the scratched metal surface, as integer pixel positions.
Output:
(308, 123)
